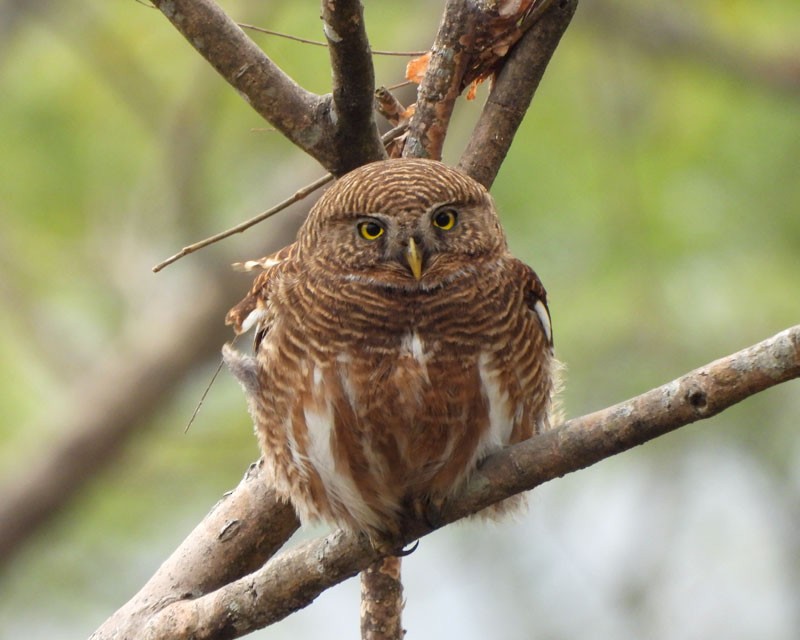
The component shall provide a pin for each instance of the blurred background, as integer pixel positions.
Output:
(655, 187)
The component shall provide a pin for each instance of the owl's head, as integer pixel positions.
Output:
(404, 222)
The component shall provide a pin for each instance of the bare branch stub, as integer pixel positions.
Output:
(292, 580)
(512, 93)
(355, 132)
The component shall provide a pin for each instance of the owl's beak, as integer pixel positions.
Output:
(414, 258)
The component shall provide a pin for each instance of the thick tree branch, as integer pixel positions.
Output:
(512, 93)
(303, 117)
(292, 580)
(239, 535)
(355, 132)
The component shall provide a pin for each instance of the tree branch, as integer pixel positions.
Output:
(436, 96)
(303, 117)
(512, 93)
(292, 580)
(382, 600)
(239, 534)
(354, 130)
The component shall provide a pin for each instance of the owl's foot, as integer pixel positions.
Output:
(388, 544)
(429, 510)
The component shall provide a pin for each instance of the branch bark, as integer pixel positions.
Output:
(512, 93)
(305, 118)
(382, 600)
(441, 85)
(240, 534)
(354, 130)
(292, 580)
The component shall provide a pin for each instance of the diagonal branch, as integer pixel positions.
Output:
(303, 117)
(354, 130)
(239, 535)
(512, 94)
(292, 580)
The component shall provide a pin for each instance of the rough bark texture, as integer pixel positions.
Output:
(382, 600)
(355, 133)
(450, 56)
(240, 534)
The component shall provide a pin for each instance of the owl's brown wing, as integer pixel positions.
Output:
(535, 297)
(252, 309)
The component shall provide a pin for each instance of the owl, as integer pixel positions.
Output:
(397, 344)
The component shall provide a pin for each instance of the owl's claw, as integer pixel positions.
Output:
(387, 544)
(407, 551)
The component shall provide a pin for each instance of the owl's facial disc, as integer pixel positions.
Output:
(414, 258)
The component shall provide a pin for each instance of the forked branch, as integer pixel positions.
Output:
(305, 118)
(293, 579)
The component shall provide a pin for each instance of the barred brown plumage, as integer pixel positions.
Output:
(397, 343)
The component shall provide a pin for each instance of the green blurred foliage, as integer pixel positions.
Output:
(656, 193)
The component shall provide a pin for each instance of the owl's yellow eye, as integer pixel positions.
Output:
(445, 219)
(370, 230)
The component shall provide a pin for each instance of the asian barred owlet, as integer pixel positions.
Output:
(397, 343)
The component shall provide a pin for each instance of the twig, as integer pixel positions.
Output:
(389, 106)
(292, 580)
(298, 195)
(295, 197)
(317, 43)
(513, 91)
(353, 126)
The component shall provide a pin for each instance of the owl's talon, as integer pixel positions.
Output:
(407, 551)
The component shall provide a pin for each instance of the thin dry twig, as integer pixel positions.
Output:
(317, 43)
(295, 197)
(292, 580)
